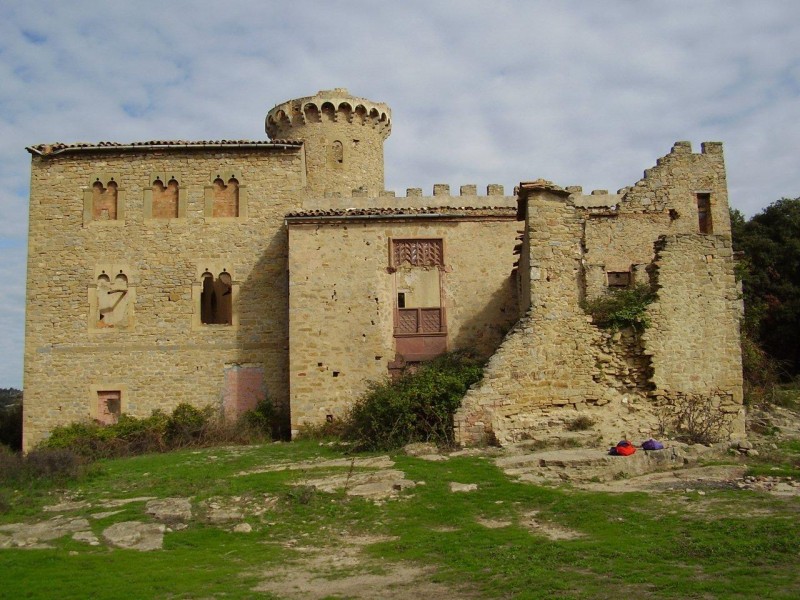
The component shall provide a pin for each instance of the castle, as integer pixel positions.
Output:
(224, 272)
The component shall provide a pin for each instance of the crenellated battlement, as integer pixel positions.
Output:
(415, 198)
(335, 106)
(342, 137)
(440, 190)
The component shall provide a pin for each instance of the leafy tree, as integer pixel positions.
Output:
(770, 272)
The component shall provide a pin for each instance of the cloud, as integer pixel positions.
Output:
(580, 93)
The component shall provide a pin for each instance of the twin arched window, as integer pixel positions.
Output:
(225, 198)
(104, 201)
(165, 199)
(216, 299)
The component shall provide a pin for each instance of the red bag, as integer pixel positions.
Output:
(624, 448)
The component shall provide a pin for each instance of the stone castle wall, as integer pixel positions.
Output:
(221, 273)
(342, 299)
(549, 359)
(619, 234)
(157, 354)
(555, 357)
(694, 337)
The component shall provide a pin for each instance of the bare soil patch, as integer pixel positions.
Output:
(344, 570)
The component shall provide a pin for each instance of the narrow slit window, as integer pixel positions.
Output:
(337, 152)
(704, 213)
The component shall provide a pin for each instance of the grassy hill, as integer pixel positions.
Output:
(305, 520)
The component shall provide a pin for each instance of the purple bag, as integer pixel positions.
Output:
(652, 444)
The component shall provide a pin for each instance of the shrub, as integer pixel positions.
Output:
(53, 465)
(187, 424)
(581, 423)
(762, 373)
(694, 419)
(328, 430)
(260, 420)
(417, 407)
(617, 309)
(87, 438)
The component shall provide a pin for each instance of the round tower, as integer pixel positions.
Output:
(343, 138)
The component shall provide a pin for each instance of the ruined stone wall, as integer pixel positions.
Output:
(555, 357)
(694, 340)
(342, 300)
(619, 237)
(155, 351)
(550, 358)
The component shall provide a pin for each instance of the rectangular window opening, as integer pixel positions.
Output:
(618, 279)
(109, 406)
(704, 213)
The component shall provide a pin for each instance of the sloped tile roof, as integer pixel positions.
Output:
(436, 211)
(59, 147)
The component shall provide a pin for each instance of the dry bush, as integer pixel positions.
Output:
(581, 423)
(57, 465)
(694, 418)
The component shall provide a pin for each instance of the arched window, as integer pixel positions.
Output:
(225, 198)
(216, 299)
(104, 201)
(165, 199)
(337, 152)
(111, 301)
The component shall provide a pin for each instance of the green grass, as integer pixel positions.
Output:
(783, 462)
(726, 544)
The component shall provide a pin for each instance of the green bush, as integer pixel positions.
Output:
(417, 407)
(762, 373)
(261, 419)
(617, 309)
(86, 438)
(335, 429)
(187, 424)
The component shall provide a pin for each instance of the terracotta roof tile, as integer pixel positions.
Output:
(59, 147)
(488, 211)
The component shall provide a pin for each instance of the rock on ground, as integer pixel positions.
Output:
(463, 487)
(33, 535)
(170, 510)
(135, 535)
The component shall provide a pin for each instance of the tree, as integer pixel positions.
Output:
(770, 272)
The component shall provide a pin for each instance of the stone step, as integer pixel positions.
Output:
(586, 464)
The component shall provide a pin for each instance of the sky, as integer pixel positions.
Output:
(578, 92)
